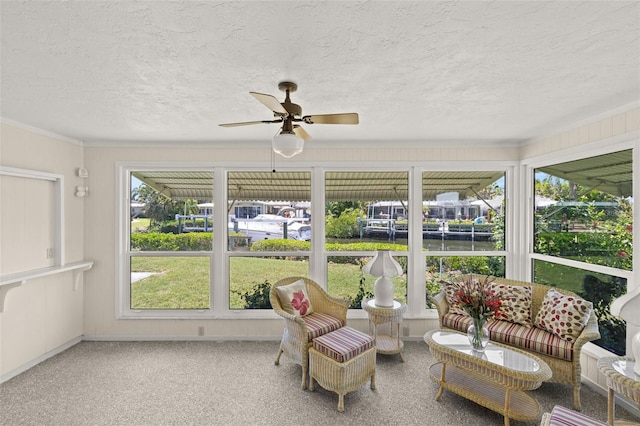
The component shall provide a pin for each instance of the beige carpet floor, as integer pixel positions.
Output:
(237, 383)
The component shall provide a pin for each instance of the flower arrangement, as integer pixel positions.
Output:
(476, 297)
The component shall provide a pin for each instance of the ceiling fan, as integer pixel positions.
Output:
(290, 139)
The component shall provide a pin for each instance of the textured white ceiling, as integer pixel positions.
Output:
(103, 71)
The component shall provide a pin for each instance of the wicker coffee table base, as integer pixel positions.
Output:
(511, 403)
(497, 381)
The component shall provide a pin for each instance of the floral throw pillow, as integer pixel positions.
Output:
(294, 298)
(564, 316)
(516, 303)
(449, 288)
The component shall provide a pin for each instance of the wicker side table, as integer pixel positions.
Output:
(621, 379)
(386, 343)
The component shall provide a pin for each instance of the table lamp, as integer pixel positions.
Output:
(384, 267)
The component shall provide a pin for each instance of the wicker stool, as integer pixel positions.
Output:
(342, 361)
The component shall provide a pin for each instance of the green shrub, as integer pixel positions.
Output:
(433, 288)
(601, 293)
(364, 247)
(257, 297)
(280, 245)
(356, 302)
(169, 228)
(344, 226)
(608, 249)
(156, 241)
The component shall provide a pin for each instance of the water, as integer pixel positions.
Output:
(430, 244)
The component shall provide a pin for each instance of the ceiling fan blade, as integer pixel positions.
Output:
(270, 102)
(302, 133)
(248, 123)
(346, 118)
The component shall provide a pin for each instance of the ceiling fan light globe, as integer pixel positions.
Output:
(287, 144)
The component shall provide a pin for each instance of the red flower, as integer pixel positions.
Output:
(477, 298)
(299, 303)
(622, 254)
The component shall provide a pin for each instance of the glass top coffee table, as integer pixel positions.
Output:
(496, 378)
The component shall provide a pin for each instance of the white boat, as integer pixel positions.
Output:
(268, 226)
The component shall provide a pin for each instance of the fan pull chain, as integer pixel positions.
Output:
(273, 161)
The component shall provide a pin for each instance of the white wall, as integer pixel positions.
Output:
(43, 315)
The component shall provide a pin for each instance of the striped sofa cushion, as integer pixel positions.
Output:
(343, 344)
(561, 416)
(528, 338)
(319, 323)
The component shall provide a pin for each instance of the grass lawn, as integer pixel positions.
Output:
(180, 283)
(183, 282)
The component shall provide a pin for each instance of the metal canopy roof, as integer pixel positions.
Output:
(465, 184)
(296, 186)
(610, 173)
(179, 185)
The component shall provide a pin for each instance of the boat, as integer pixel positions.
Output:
(251, 219)
(272, 226)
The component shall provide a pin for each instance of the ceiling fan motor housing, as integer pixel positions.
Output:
(294, 110)
(288, 87)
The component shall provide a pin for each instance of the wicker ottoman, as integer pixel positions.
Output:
(342, 361)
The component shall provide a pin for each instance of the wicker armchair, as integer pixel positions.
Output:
(300, 331)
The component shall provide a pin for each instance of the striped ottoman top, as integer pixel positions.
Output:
(343, 344)
(561, 416)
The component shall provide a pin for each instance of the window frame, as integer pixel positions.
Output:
(529, 166)
(220, 255)
(124, 252)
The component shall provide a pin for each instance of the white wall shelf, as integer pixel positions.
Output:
(7, 282)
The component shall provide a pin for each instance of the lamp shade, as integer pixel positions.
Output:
(383, 265)
(287, 144)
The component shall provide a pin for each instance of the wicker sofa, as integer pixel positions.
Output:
(563, 357)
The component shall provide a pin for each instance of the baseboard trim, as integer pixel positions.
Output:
(24, 367)
(176, 338)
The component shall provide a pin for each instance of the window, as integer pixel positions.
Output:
(170, 242)
(583, 210)
(269, 222)
(463, 218)
(189, 247)
(599, 288)
(364, 212)
(583, 218)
